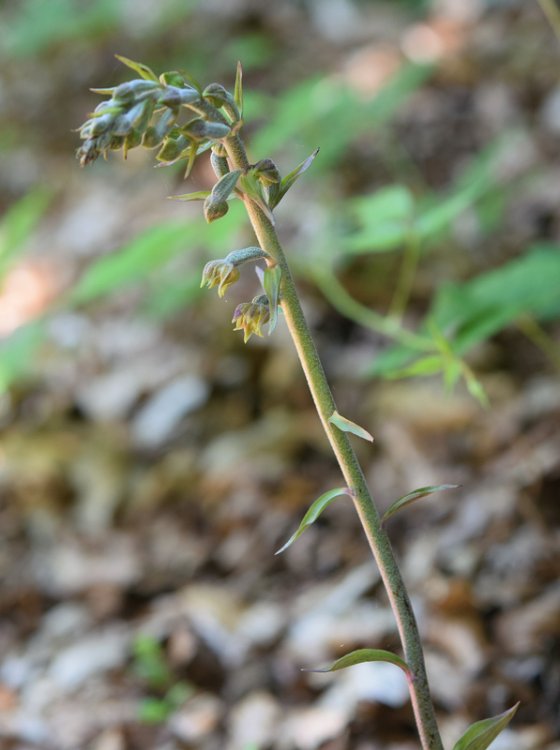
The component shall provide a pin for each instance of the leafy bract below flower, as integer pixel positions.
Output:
(219, 273)
(250, 317)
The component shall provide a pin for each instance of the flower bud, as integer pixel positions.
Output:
(101, 124)
(216, 94)
(128, 92)
(200, 129)
(219, 164)
(267, 172)
(214, 209)
(172, 148)
(173, 96)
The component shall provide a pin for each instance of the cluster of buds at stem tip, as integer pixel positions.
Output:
(150, 112)
(225, 271)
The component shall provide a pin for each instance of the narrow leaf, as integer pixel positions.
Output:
(199, 195)
(411, 497)
(363, 655)
(143, 70)
(347, 426)
(481, 734)
(271, 283)
(315, 510)
(238, 89)
(290, 178)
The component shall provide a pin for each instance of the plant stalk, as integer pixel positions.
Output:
(369, 516)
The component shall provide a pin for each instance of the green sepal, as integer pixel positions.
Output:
(413, 496)
(363, 655)
(290, 178)
(252, 188)
(482, 733)
(315, 510)
(199, 195)
(142, 70)
(347, 426)
(238, 89)
(271, 283)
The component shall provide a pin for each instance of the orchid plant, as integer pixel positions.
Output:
(173, 114)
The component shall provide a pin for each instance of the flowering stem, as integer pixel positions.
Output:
(349, 465)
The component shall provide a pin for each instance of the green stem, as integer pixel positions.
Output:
(406, 277)
(350, 467)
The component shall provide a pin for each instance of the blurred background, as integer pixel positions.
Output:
(151, 464)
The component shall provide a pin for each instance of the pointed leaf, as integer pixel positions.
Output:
(347, 426)
(271, 284)
(290, 178)
(363, 655)
(481, 734)
(143, 70)
(199, 195)
(411, 497)
(315, 510)
(238, 89)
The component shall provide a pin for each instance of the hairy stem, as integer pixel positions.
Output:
(350, 467)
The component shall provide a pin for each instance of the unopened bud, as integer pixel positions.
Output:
(128, 93)
(214, 209)
(172, 148)
(267, 172)
(173, 96)
(200, 129)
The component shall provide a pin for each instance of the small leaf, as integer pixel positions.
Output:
(271, 283)
(238, 89)
(143, 70)
(363, 655)
(290, 178)
(315, 510)
(199, 195)
(411, 497)
(481, 734)
(428, 365)
(347, 426)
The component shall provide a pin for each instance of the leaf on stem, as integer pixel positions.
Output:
(238, 89)
(411, 497)
(480, 734)
(363, 655)
(143, 70)
(271, 284)
(199, 195)
(290, 178)
(347, 426)
(315, 510)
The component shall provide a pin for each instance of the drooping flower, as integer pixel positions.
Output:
(250, 317)
(219, 273)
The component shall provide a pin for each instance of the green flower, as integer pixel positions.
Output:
(250, 317)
